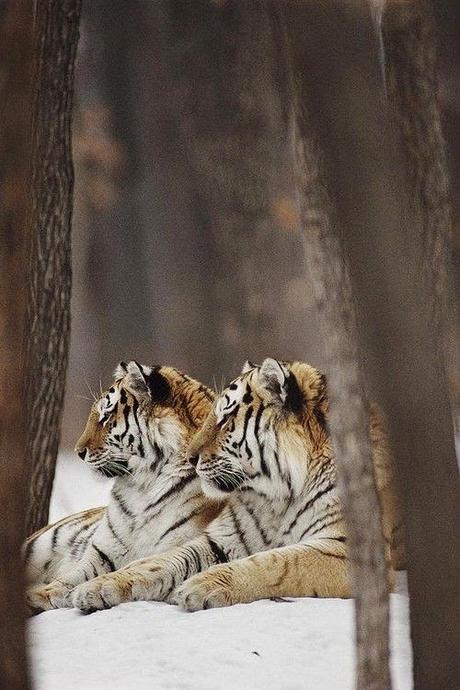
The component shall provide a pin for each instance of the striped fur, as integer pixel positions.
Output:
(137, 431)
(264, 447)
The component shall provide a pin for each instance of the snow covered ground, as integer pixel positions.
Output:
(298, 644)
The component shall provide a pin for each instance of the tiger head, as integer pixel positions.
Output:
(265, 431)
(147, 415)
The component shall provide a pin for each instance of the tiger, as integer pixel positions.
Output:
(265, 448)
(137, 432)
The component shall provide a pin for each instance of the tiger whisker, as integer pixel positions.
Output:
(84, 397)
(91, 392)
(232, 477)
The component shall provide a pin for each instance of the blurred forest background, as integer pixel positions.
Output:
(181, 255)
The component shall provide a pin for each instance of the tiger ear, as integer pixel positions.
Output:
(247, 366)
(147, 383)
(280, 382)
(273, 376)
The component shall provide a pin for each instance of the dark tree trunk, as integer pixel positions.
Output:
(309, 33)
(232, 127)
(396, 265)
(178, 247)
(48, 332)
(15, 69)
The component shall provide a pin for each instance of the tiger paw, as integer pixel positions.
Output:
(102, 592)
(127, 584)
(47, 597)
(210, 589)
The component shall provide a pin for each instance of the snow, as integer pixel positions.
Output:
(282, 645)
(76, 487)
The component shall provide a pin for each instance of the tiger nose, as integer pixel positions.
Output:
(193, 460)
(82, 453)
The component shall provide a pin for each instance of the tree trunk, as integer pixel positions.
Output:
(396, 264)
(111, 302)
(412, 88)
(309, 29)
(232, 126)
(48, 332)
(410, 59)
(15, 70)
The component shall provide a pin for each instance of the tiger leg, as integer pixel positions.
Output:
(318, 568)
(148, 579)
(56, 594)
(45, 551)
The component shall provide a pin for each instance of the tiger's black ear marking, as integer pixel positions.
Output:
(247, 397)
(282, 385)
(148, 383)
(158, 385)
(294, 397)
(247, 366)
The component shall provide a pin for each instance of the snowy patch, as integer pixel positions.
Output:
(303, 644)
(76, 487)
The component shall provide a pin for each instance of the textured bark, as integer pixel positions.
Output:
(310, 29)
(432, 490)
(15, 64)
(412, 88)
(56, 38)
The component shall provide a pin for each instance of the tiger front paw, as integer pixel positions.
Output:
(55, 595)
(210, 589)
(149, 583)
(102, 592)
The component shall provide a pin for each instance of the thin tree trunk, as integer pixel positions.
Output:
(233, 127)
(114, 30)
(396, 264)
(15, 70)
(48, 333)
(330, 281)
(111, 301)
